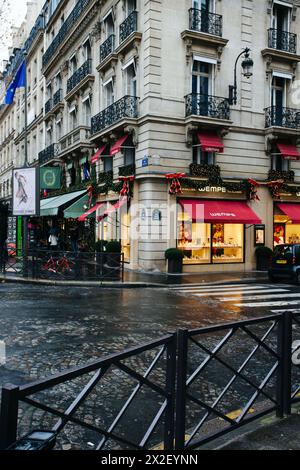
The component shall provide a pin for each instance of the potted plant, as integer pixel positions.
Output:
(99, 247)
(113, 257)
(263, 258)
(174, 258)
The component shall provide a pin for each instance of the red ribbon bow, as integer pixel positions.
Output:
(175, 187)
(125, 191)
(253, 191)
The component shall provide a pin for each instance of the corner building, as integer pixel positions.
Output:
(136, 90)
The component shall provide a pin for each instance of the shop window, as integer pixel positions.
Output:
(125, 233)
(205, 243)
(200, 157)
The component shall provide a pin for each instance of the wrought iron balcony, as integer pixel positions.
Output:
(283, 40)
(48, 153)
(128, 26)
(107, 47)
(64, 30)
(205, 22)
(207, 105)
(126, 107)
(282, 117)
(127, 170)
(39, 25)
(57, 97)
(79, 75)
(48, 106)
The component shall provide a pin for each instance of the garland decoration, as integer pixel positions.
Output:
(175, 187)
(91, 194)
(125, 190)
(275, 187)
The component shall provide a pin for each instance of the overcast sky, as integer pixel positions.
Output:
(18, 12)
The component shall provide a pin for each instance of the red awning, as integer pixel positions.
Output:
(113, 208)
(117, 146)
(231, 212)
(291, 210)
(90, 211)
(288, 151)
(99, 152)
(210, 142)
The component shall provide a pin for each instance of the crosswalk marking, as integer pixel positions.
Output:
(219, 291)
(209, 287)
(291, 310)
(278, 303)
(242, 293)
(263, 297)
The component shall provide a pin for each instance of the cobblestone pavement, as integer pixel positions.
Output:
(49, 329)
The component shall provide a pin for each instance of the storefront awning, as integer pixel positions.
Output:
(99, 152)
(113, 208)
(91, 211)
(51, 206)
(227, 212)
(117, 146)
(288, 151)
(210, 142)
(291, 210)
(77, 208)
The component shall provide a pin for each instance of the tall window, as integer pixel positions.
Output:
(201, 87)
(87, 112)
(109, 25)
(87, 51)
(281, 17)
(278, 99)
(201, 158)
(131, 6)
(73, 64)
(109, 93)
(130, 80)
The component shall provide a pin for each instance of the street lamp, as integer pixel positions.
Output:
(247, 66)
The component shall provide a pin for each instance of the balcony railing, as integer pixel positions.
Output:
(48, 106)
(39, 25)
(207, 105)
(282, 117)
(205, 22)
(126, 107)
(79, 75)
(107, 47)
(78, 135)
(283, 41)
(64, 30)
(127, 170)
(128, 26)
(48, 153)
(57, 97)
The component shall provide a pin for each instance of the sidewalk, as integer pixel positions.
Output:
(135, 279)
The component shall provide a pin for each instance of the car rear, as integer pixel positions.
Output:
(283, 262)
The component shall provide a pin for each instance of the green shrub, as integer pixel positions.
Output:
(263, 251)
(100, 246)
(113, 246)
(174, 253)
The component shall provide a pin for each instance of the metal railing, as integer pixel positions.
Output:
(79, 75)
(126, 107)
(64, 30)
(181, 391)
(128, 26)
(48, 106)
(205, 22)
(282, 40)
(282, 117)
(107, 47)
(48, 153)
(207, 105)
(57, 97)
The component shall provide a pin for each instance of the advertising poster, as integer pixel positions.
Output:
(25, 192)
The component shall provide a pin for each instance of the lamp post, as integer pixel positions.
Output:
(25, 218)
(247, 66)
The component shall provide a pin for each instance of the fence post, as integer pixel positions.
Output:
(284, 378)
(180, 407)
(170, 389)
(8, 415)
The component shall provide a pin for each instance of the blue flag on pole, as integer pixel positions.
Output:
(18, 81)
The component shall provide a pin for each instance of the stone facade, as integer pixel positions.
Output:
(108, 68)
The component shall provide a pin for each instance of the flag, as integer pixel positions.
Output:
(18, 81)
(86, 171)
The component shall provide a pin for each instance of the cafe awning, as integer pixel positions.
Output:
(77, 208)
(291, 210)
(225, 212)
(117, 146)
(90, 212)
(288, 151)
(210, 142)
(50, 206)
(113, 208)
(97, 155)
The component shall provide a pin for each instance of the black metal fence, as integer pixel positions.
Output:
(65, 265)
(179, 392)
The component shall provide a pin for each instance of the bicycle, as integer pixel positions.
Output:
(60, 266)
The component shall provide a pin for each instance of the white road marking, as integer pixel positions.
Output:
(263, 297)
(220, 291)
(208, 286)
(292, 310)
(278, 303)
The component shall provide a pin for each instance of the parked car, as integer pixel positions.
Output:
(285, 263)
